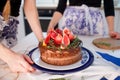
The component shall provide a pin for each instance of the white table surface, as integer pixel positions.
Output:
(96, 71)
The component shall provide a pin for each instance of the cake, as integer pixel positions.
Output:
(60, 48)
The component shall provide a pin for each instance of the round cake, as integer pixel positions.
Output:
(60, 48)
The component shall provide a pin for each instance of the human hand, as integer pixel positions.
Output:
(114, 35)
(41, 39)
(49, 29)
(20, 63)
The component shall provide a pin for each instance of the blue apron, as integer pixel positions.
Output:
(83, 20)
(8, 31)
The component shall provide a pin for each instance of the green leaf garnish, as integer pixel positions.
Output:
(104, 43)
(75, 43)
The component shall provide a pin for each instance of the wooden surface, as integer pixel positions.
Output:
(107, 43)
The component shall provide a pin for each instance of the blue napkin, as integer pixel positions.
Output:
(110, 58)
(117, 78)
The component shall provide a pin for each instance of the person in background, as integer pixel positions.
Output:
(83, 17)
(9, 11)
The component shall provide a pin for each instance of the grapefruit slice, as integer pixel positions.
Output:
(71, 36)
(59, 31)
(66, 31)
(65, 40)
(53, 34)
(58, 39)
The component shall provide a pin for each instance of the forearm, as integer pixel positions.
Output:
(55, 19)
(112, 32)
(110, 21)
(12, 59)
(5, 53)
(32, 17)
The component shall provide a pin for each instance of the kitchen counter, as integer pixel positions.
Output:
(99, 68)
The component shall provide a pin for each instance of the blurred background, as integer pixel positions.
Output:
(46, 9)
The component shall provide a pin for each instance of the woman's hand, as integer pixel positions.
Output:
(20, 63)
(55, 19)
(114, 35)
(49, 29)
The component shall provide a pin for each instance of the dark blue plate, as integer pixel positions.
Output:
(87, 60)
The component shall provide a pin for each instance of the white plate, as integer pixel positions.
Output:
(87, 59)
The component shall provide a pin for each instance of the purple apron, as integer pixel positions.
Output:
(8, 31)
(83, 20)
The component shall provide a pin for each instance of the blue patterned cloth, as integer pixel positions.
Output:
(83, 20)
(8, 31)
